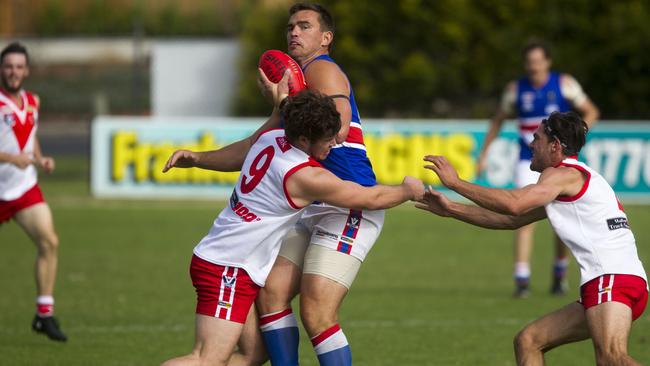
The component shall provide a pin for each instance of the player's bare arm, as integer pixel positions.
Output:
(589, 112)
(21, 160)
(317, 184)
(438, 204)
(227, 159)
(503, 112)
(45, 162)
(579, 100)
(493, 131)
(328, 79)
(231, 157)
(552, 183)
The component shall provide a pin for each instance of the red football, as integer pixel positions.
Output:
(273, 63)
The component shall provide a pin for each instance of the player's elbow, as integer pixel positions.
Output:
(514, 209)
(511, 224)
(596, 115)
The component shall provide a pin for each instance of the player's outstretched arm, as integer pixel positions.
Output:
(436, 203)
(231, 157)
(227, 159)
(317, 184)
(552, 183)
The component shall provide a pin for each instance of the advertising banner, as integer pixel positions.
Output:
(128, 154)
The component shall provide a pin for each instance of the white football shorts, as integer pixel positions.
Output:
(346, 235)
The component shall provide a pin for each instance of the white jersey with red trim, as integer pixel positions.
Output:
(595, 227)
(17, 135)
(248, 233)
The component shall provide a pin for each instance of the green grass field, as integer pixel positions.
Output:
(432, 292)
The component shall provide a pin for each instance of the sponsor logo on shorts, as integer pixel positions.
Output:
(326, 234)
(617, 223)
(603, 290)
(229, 281)
(347, 239)
(224, 304)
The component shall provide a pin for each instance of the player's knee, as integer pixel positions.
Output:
(611, 357)
(315, 318)
(525, 340)
(270, 299)
(49, 243)
(169, 363)
(253, 354)
(213, 360)
(255, 358)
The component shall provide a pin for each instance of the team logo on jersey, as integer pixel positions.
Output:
(618, 223)
(527, 101)
(228, 281)
(283, 144)
(9, 119)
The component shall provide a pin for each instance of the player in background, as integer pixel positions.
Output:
(20, 195)
(584, 212)
(280, 178)
(530, 99)
(322, 256)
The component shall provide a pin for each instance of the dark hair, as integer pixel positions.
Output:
(14, 47)
(569, 129)
(310, 114)
(536, 44)
(324, 19)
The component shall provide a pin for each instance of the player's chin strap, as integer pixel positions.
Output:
(339, 96)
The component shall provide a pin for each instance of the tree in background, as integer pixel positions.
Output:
(449, 58)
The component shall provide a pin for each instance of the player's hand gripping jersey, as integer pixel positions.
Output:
(594, 226)
(17, 135)
(248, 232)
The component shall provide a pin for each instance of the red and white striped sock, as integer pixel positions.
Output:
(45, 306)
